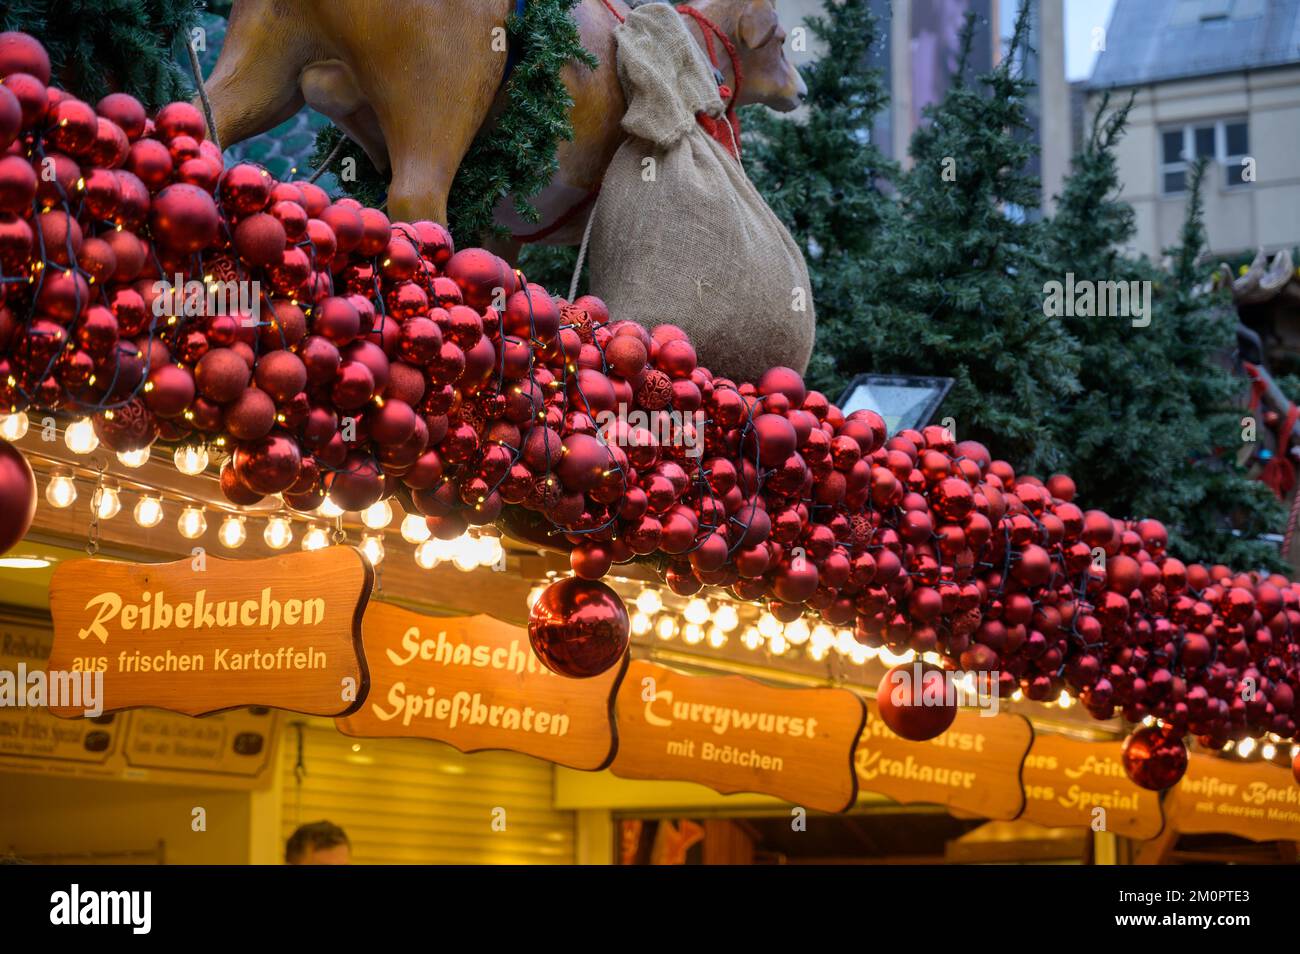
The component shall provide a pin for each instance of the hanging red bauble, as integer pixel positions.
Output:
(1155, 757)
(251, 415)
(915, 701)
(269, 465)
(126, 111)
(127, 428)
(356, 484)
(17, 496)
(579, 628)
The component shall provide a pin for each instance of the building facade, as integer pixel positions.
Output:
(1212, 79)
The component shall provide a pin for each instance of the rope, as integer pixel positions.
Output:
(203, 94)
(582, 255)
(329, 160)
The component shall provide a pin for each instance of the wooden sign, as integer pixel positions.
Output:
(1255, 800)
(737, 735)
(974, 767)
(228, 743)
(474, 683)
(1067, 781)
(203, 635)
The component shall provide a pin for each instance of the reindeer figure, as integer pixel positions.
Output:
(413, 82)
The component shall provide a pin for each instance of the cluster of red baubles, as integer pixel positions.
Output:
(380, 361)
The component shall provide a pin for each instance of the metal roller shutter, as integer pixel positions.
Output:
(410, 801)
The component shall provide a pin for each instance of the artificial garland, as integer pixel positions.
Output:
(515, 155)
(381, 366)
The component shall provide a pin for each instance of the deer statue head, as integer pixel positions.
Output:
(769, 78)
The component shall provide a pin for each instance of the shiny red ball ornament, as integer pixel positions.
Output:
(184, 218)
(245, 189)
(18, 497)
(179, 119)
(1155, 757)
(579, 628)
(916, 701)
(269, 465)
(222, 375)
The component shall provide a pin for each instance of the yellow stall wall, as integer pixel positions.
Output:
(411, 801)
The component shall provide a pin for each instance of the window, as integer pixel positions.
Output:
(1226, 141)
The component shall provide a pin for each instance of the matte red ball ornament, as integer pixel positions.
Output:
(1155, 757)
(579, 628)
(18, 498)
(916, 702)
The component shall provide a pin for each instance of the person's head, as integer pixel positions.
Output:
(318, 843)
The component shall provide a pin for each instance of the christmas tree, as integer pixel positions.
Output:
(130, 46)
(958, 285)
(1157, 423)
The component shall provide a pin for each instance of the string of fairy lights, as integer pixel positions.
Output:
(656, 615)
(314, 531)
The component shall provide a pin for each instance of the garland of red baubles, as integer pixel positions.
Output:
(466, 409)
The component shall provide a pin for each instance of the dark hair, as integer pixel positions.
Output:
(314, 836)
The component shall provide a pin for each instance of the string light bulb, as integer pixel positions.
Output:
(696, 612)
(191, 459)
(649, 602)
(726, 618)
(14, 426)
(490, 550)
(233, 533)
(797, 632)
(61, 491)
(134, 458)
(666, 628)
(315, 538)
(148, 511)
(1245, 747)
(769, 626)
(641, 624)
(416, 530)
(717, 638)
(278, 532)
(372, 545)
(106, 501)
(81, 437)
(751, 638)
(378, 515)
(192, 523)
(329, 509)
(426, 557)
(465, 555)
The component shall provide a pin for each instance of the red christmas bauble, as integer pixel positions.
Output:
(269, 465)
(184, 218)
(20, 53)
(222, 375)
(1155, 757)
(579, 628)
(259, 240)
(915, 701)
(17, 495)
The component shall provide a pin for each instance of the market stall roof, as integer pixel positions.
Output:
(1149, 41)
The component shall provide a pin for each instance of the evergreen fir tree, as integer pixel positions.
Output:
(962, 281)
(823, 177)
(1140, 438)
(101, 46)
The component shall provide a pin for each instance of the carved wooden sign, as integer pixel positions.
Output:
(1255, 800)
(737, 735)
(204, 635)
(1070, 783)
(973, 767)
(474, 682)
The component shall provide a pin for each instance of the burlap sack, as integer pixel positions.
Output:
(687, 239)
